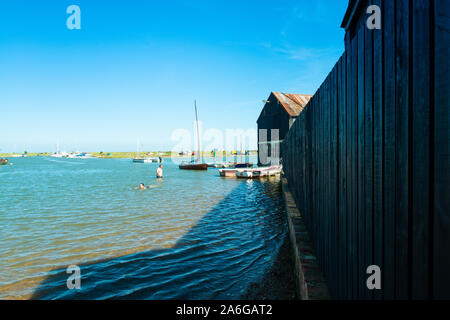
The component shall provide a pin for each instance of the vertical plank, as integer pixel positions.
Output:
(360, 162)
(368, 161)
(353, 166)
(330, 180)
(420, 152)
(334, 208)
(441, 182)
(321, 177)
(349, 95)
(342, 252)
(402, 150)
(326, 180)
(378, 150)
(321, 172)
(304, 170)
(314, 165)
(307, 168)
(389, 182)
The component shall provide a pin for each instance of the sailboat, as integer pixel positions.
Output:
(59, 154)
(195, 165)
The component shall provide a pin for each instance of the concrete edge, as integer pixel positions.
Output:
(310, 282)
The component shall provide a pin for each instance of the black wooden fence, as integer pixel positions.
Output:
(368, 159)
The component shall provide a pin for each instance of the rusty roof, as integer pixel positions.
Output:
(292, 103)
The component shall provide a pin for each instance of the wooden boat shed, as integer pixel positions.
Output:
(279, 113)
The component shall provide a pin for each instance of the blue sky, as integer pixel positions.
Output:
(135, 67)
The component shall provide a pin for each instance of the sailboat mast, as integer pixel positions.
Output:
(240, 151)
(198, 133)
(137, 149)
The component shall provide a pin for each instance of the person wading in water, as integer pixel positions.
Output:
(159, 172)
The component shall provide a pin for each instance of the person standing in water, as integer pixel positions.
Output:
(159, 172)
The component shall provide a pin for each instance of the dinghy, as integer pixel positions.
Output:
(259, 172)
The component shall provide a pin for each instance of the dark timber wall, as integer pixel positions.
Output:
(368, 159)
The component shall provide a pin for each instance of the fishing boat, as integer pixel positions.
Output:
(195, 165)
(3, 162)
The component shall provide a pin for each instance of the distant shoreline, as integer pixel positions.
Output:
(127, 155)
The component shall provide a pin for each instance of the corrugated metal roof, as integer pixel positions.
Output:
(292, 103)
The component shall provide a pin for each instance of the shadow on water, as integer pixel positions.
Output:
(238, 250)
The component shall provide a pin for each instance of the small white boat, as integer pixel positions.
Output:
(259, 172)
(60, 155)
(80, 156)
(220, 165)
(145, 160)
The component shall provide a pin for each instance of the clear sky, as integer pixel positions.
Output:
(134, 68)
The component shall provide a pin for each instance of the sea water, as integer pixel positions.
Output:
(193, 235)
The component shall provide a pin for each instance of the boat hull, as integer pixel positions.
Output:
(228, 173)
(146, 160)
(3, 162)
(199, 166)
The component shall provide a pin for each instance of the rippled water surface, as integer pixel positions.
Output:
(193, 236)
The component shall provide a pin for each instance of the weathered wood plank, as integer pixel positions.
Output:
(353, 160)
(321, 176)
(402, 148)
(420, 153)
(360, 162)
(441, 158)
(367, 209)
(378, 151)
(327, 177)
(342, 252)
(334, 185)
(389, 182)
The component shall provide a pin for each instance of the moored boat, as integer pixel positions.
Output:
(145, 160)
(194, 166)
(3, 162)
(229, 172)
(82, 155)
(220, 165)
(259, 172)
(60, 155)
